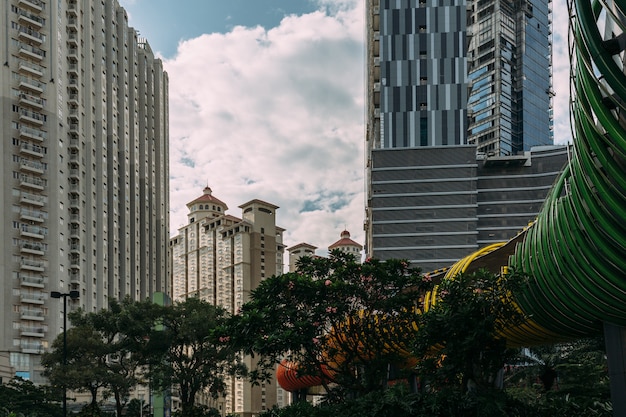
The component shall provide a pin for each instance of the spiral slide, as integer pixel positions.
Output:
(575, 251)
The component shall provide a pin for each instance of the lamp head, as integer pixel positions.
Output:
(55, 294)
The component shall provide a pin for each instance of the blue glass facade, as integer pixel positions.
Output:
(509, 65)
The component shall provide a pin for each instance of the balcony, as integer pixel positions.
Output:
(75, 262)
(30, 149)
(32, 199)
(35, 232)
(72, 55)
(72, 69)
(36, 5)
(74, 128)
(31, 166)
(75, 203)
(30, 35)
(31, 215)
(30, 68)
(32, 182)
(75, 245)
(32, 298)
(35, 348)
(31, 101)
(30, 265)
(32, 117)
(32, 248)
(32, 281)
(73, 83)
(31, 85)
(31, 52)
(74, 173)
(72, 23)
(72, 9)
(33, 314)
(74, 144)
(75, 277)
(74, 231)
(73, 99)
(30, 19)
(72, 39)
(32, 133)
(75, 187)
(74, 218)
(32, 331)
(73, 112)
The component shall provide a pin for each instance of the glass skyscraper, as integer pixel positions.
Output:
(456, 90)
(509, 62)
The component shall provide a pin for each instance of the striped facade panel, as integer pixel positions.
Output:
(511, 195)
(424, 204)
(423, 73)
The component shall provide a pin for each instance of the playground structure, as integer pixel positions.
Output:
(574, 252)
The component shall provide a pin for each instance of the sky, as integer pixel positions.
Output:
(267, 102)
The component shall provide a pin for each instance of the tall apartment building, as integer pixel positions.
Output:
(85, 192)
(220, 258)
(451, 85)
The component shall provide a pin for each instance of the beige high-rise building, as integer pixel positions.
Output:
(221, 258)
(84, 185)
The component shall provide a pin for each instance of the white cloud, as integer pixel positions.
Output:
(561, 67)
(278, 115)
(275, 115)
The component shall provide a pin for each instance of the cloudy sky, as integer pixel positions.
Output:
(267, 102)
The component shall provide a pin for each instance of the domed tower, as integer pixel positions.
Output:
(347, 245)
(205, 206)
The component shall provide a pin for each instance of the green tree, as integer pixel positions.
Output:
(459, 342)
(124, 329)
(22, 398)
(192, 351)
(86, 352)
(105, 351)
(336, 317)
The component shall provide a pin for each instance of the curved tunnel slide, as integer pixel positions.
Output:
(575, 251)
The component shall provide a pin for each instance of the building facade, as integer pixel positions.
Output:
(436, 205)
(509, 75)
(450, 84)
(220, 259)
(85, 189)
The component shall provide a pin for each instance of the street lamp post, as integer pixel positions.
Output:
(73, 295)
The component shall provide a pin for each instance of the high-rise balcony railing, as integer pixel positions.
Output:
(32, 331)
(31, 347)
(32, 298)
(31, 215)
(33, 314)
(32, 117)
(32, 281)
(32, 182)
(33, 248)
(31, 100)
(30, 34)
(32, 166)
(32, 265)
(37, 5)
(30, 149)
(32, 133)
(32, 199)
(30, 18)
(31, 51)
(28, 230)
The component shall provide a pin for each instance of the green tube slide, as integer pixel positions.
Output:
(575, 252)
